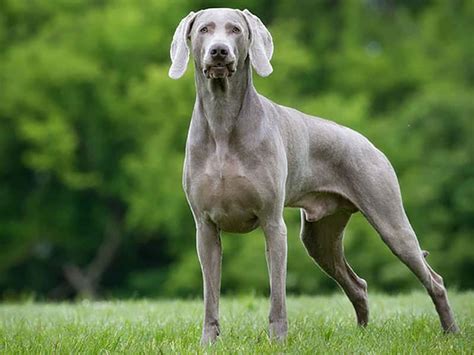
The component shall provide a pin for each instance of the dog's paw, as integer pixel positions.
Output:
(209, 334)
(278, 330)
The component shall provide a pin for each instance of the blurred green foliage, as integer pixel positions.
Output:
(92, 135)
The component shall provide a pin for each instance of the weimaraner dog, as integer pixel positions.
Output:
(247, 158)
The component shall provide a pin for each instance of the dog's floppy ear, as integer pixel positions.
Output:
(261, 44)
(179, 51)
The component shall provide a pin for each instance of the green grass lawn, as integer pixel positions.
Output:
(399, 324)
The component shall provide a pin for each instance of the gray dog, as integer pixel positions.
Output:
(247, 158)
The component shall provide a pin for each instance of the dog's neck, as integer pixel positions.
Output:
(221, 100)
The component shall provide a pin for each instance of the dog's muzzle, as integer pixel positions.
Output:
(219, 70)
(219, 61)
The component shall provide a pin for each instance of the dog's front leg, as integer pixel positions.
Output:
(276, 250)
(210, 256)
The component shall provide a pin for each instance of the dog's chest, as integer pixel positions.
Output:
(226, 188)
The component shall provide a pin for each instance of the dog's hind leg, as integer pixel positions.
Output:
(397, 233)
(323, 241)
(381, 203)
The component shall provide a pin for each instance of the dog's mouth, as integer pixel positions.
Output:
(219, 70)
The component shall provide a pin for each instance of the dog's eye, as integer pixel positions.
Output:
(235, 29)
(204, 30)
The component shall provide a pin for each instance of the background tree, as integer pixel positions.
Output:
(92, 135)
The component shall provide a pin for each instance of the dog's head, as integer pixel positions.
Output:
(221, 40)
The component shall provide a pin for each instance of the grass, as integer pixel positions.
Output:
(399, 324)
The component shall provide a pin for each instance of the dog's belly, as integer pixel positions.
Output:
(317, 205)
(229, 199)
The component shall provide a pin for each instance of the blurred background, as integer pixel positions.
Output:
(92, 135)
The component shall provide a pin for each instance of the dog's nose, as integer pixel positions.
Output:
(219, 51)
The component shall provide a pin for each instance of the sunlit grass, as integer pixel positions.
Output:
(399, 324)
